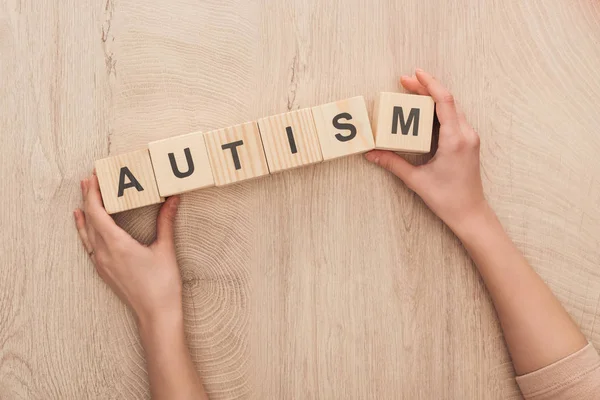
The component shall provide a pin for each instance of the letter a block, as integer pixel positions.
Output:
(181, 164)
(343, 128)
(290, 140)
(236, 153)
(403, 122)
(127, 181)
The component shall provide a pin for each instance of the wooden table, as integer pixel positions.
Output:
(328, 282)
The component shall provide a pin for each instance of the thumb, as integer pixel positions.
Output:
(395, 164)
(165, 221)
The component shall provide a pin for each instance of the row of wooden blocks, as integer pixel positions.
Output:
(401, 122)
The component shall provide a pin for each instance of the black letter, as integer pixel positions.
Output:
(125, 172)
(291, 139)
(234, 153)
(190, 163)
(350, 127)
(413, 115)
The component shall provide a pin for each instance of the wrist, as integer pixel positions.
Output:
(160, 322)
(473, 221)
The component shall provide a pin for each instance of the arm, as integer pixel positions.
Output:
(147, 279)
(537, 329)
(170, 368)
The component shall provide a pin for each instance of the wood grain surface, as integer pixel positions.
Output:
(331, 281)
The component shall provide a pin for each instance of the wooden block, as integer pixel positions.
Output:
(236, 153)
(403, 122)
(127, 181)
(181, 164)
(343, 128)
(290, 140)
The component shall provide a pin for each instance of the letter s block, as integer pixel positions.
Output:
(403, 122)
(343, 128)
(181, 164)
(236, 153)
(127, 181)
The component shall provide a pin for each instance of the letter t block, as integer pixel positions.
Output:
(403, 122)
(236, 153)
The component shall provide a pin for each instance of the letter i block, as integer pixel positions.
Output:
(236, 153)
(343, 128)
(290, 140)
(403, 122)
(181, 164)
(127, 181)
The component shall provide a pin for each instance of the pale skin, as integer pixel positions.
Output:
(537, 329)
(147, 279)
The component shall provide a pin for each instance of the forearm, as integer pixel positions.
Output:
(171, 371)
(537, 329)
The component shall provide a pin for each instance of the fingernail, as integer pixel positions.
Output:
(372, 157)
(175, 202)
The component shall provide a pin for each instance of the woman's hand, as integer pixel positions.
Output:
(450, 183)
(146, 278)
(537, 329)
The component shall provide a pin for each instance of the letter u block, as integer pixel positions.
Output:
(403, 122)
(181, 164)
(127, 181)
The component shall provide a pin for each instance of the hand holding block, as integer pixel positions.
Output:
(236, 153)
(181, 164)
(403, 122)
(343, 128)
(127, 181)
(290, 140)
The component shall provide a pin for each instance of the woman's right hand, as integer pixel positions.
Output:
(146, 278)
(450, 183)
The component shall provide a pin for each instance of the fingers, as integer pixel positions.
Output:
(396, 165)
(445, 107)
(413, 85)
(93, 207)
(166, 221)
(81, 229)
